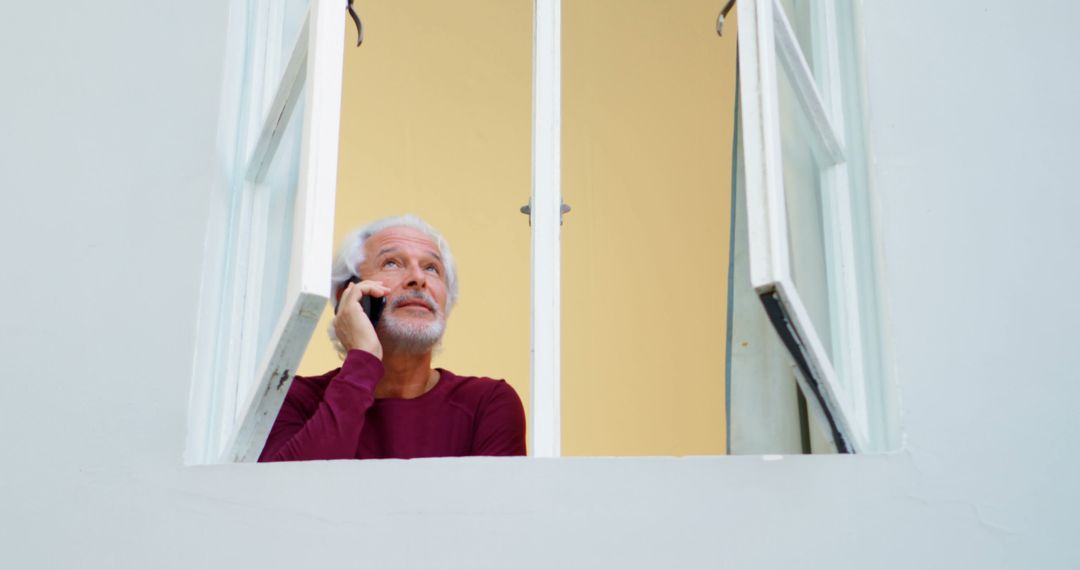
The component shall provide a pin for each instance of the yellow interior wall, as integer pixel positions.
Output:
(436, 119)
(648, 114)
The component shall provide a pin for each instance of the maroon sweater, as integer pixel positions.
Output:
(336, 416)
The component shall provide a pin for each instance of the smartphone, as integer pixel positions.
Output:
(372, 306)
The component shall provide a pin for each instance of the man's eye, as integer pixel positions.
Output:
(432, 268)
(390, 263)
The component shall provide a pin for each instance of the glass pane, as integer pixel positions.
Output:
(295, 12)
(798, 15)
(806, 223)
(275, 198)
(272, 44)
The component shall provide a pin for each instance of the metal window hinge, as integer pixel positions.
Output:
(723, 14)
(527, 210)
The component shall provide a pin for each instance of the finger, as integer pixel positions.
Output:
(374, 288)
(351, 295)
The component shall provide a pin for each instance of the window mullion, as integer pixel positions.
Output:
(545, 218)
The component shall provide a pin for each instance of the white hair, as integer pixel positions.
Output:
(351, 254)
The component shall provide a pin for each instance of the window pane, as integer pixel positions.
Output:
(295, 11)
(798, 15)
(805, 219)
(275, 200)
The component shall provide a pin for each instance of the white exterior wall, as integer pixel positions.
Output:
(106, 147)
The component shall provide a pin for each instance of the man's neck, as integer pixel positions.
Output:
(405, 375)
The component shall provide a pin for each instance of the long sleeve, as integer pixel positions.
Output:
(325, 426)
(500, 423)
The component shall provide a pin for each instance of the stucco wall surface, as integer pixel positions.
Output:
(108, 114)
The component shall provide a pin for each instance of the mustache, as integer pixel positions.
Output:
(414, 296)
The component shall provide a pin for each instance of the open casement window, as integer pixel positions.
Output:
(266, 288)
(797, 183)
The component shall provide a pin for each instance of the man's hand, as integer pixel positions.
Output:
(352, 326)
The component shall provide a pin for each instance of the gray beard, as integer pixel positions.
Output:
(400, 336)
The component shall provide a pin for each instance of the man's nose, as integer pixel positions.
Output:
(416, 278)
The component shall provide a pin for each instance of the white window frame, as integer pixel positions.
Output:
(316, 63)
(546, 219)
(234, 398)
(836, 388)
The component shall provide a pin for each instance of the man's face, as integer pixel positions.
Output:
(408, 262)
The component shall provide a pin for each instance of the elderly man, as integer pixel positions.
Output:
(386, 400)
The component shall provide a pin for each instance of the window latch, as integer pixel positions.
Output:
(359, 24)
(527, 210)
